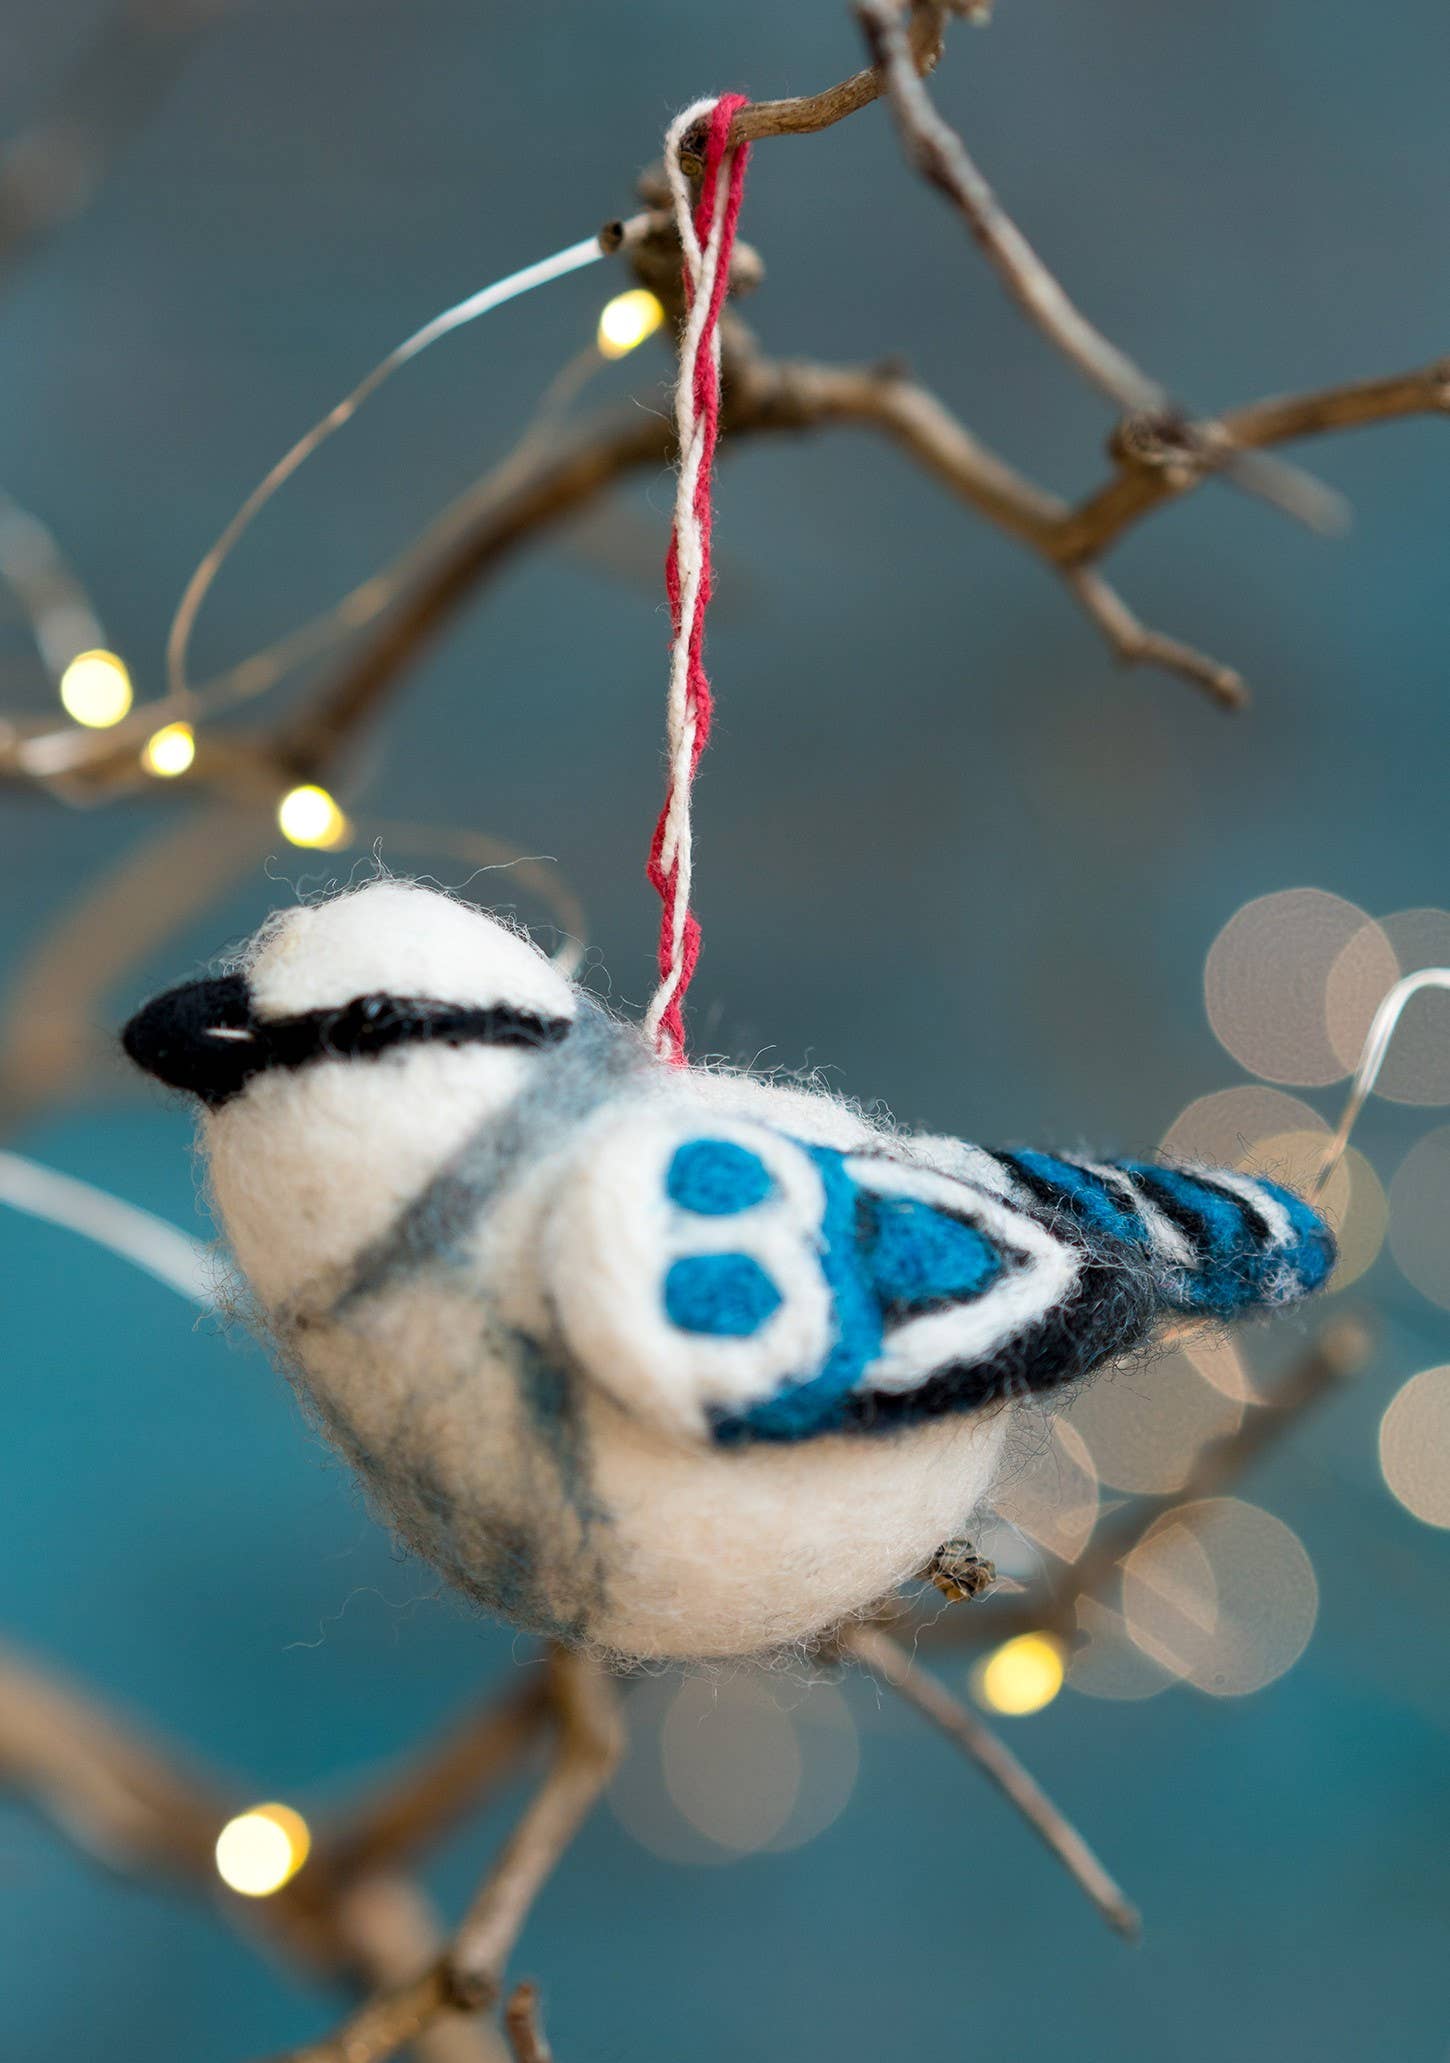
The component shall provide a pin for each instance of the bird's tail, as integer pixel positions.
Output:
(1217, 1242)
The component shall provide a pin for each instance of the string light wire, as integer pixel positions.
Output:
(146, 1241)
(1371, 1060)
(545, 270)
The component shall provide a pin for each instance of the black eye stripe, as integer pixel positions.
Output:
(207, 1039)
(370, 1025)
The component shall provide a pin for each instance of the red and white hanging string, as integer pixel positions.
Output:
(707, 235)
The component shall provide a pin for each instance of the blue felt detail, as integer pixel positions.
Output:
(1234, 1261)
(727, 1296)
(715, 1178)
(1311, 1256)
(813, 1406)
(915, 1255)
(1086, 1196)
(877, 1253)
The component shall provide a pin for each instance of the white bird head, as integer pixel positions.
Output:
(355, 1045)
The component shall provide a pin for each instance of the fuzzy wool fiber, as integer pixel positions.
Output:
(666, 1361)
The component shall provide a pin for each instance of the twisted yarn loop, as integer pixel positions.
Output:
(707, 236)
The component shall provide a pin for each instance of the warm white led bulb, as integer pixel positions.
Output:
(95, 689)
(309, 816)
(169, 751)
(627, 320)
(1021, 1676)
(261, 1850)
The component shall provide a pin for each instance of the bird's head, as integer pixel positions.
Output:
(354, 1047)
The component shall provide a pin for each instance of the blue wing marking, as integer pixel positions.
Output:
(717, 1177)
(1218, 1242)
(1240, 1263)
(917, 1257)
(725, 1296)
(853, 1290)
(883, 1257)
(1085, 1194)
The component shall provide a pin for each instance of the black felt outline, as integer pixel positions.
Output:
(207, 1039)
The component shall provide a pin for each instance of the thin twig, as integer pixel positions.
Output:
(809, 113)
(130, 1802)
(590, 1740)
(895, 1666)
(1150, 474)
(942, 158)
(469, 1976)
(1136, 645)
(440, 1785)
(138, 1805)
(764, 396)
(571, 474)
(527, 2040)
(392, 1931)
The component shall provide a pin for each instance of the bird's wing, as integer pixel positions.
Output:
(733, 1282)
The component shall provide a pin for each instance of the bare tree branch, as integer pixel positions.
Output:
(807, 114)
(894, 1665)
(1136, 645)
(766, 395)
(127, 1801)
(137, 1805)
(1157, 464)
(942, 158)
(442, 1783)
(469, 1976)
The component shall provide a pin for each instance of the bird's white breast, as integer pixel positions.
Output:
(308, 1168)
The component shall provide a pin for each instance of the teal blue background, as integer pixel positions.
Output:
(946, 848)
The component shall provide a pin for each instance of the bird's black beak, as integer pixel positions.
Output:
(201, 1037)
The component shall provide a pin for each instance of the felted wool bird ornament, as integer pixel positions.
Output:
(671, 1361)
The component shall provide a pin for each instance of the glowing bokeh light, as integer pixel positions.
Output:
(1051, 1495)
(169, 751)
(1144, 1427)
(732, 1764)
(261, 1850)
(1266, 1132)
(1415, 1446)
(1222, 1129)
(1222, 1594)
(309, 816)
(627, 320)
(720, 1768)
(1107, 1662)
(1220, 1361)
(1420, 1216)
(1266, 980)
(95, 689)
(1021, 1676)
(1365, 970)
